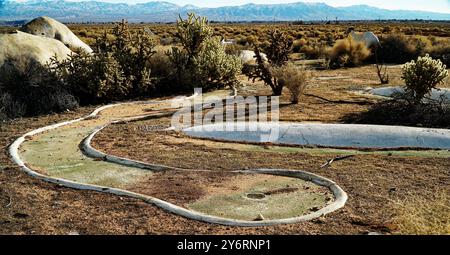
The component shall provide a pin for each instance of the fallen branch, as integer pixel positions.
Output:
(340, 101)
(328, 163)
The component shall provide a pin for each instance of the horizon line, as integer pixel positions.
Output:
(238, 5)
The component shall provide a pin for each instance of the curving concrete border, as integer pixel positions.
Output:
(339, 194)
(340, 197)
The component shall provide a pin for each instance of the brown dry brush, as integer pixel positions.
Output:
(294, 78)
(348, 53)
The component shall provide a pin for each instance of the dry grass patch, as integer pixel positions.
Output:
(423, 216)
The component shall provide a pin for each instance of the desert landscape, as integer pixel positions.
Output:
(103, 128)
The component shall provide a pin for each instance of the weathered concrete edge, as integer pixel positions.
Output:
(340, 197)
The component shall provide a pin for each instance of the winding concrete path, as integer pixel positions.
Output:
(52, 154)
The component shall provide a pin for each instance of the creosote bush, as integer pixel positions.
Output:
(397, 49)
(294, 78)
(422, 76)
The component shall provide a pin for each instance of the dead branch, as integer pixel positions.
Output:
(328, 163)
(340, 101)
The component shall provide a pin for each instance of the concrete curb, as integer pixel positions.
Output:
(340, 195)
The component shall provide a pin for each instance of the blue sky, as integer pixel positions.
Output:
(424, 5)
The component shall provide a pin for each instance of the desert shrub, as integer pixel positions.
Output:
(132, 51)
(94, 78)
(297, 45)
(396, 48)
(278, 49)
(34, 90)
(433, 114)
(160, 65)
(10, 108)
(441, 52)
(234, 49)
(202, 60)
(315, 51)
(422, 76)
(348, 53)
(294, 78)
(166, 41)
(118, 70)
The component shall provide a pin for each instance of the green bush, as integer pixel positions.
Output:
(216, 67)
(422, 76)
(202, 60)
(118, 70)
(94, 78)
(133, 52)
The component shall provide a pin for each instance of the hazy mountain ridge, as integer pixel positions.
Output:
(160, 11)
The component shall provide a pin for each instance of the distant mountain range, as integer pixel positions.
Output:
(167, 12)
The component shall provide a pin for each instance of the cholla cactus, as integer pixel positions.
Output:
(216, 65)
(422, 76)
(202, 61)
(278, 50)
(192, 32)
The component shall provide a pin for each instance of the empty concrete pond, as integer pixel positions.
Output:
(326, 135)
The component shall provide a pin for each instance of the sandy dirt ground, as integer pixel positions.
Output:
(373, 182)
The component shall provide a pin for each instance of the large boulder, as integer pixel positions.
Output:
(368, 38)
(21, 50)
(248, 56)
(48, 27)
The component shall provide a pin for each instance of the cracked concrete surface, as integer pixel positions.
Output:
(330, 135)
